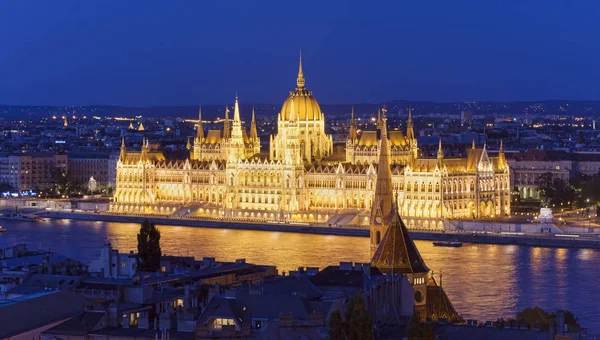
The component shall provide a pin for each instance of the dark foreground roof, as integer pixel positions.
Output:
(81, 324)
(25, 315)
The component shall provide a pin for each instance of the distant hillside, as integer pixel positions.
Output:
(550, 107)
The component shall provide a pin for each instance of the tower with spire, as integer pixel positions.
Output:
(253, 131)
(393, 251)
(200, 128)
(123, 152)
(236, 144)
(352, 134)
(383, 200)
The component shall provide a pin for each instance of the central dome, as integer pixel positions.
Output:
(306, 106)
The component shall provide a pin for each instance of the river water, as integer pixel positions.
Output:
(484, 282)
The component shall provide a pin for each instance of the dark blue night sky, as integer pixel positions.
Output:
(203, 52)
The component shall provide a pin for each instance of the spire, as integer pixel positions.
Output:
(379, 121)
(381, 211)
(123, 152)
(253, 132)
(200, 128)
(440, 153)
(65, 122)
(501, 156)
(141, 127)
(236, 110)
(131, 125)
(226, 126)
(144, 143)
(300, 79)
(410, 132)
(473, 145)
(352, 132)
(188, 145)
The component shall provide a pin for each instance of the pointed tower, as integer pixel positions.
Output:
(440, 155)
(236, 130)
(200, 128)
(410, 132)
(473, 144)
(141, 127)
(501, 157)
(379, 121)
(144, 150)
(123, 152)
(65, 122)
(226, 125)
(352, 135)
(383, 201)
(300, 79)
(189, 144)
(131, 126)
(253, 131)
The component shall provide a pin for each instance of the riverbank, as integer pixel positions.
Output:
(522, 239)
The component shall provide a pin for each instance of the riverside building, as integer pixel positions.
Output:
(300, 179)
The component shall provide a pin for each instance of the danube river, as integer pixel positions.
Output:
(484, 282)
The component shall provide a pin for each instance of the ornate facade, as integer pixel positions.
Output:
(300, 179)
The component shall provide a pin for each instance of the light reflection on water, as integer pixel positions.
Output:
(484, 282)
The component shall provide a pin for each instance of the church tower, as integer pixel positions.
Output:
(381, 210)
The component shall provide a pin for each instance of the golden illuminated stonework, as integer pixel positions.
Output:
(300, 179)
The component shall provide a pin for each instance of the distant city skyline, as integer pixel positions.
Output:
(151, 53)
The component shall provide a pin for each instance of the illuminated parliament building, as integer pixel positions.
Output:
(299, 179)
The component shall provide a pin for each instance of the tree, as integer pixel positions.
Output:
(64, 183)
(534, 317)
(571, 320)
(556, 190)
(336, 326)
(4, 187)
(149, 252)
(358, 324)
(416, 330)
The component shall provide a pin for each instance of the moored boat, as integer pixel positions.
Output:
(454, 243)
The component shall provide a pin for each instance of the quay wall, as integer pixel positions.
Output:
(532, 239)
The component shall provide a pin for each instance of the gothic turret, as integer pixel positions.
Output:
(501, 157)
(440, 152)
(379, 121)
(253, 132)
(123, 152)
(352, 133)
(200, 128)
(226, 125)
(410, 132)
(236, 130)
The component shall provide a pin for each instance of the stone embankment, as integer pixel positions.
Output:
(522, 239)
